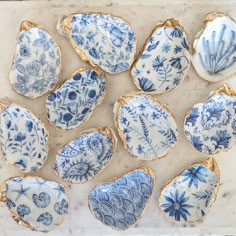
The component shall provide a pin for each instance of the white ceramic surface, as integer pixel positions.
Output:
(142, 15)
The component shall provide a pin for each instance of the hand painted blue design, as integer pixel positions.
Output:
(23, 210)
(46, 218)
(177, 205)
(70, 105)
(176, 33)
(121, 202)
(111, 45)
(32, 78)
(10, 203)
(61, 207)
(192, 117)
(194, 175)
(42, 200)
(21, 192)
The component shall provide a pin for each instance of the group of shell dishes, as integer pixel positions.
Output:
(145, 125)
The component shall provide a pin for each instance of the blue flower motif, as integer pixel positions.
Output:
(140, 149)
(20, 137)
(166, 47)
(117, 36)
(176, 33)
(146, 84)
(23, 210)
(176, 205)
(61, 208)
(72, 95)
(192, 118)
(176, 62)
(123, 120)
(221, 139)
(196, 142)
(25, 51)
(177, 49)
(52, 97)
(155, 116)
(194, 175)
(176, 81)
(46, 218)
(158, 63)
(29, 125)
(33, 68)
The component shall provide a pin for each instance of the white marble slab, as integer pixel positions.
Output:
(142, 15)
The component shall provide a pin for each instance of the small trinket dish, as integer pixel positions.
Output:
(146, 127)
(103, 40)
(214, 47)
(83, 158)
(23, 137)
(210, 126)
(72, 103)
(190, 195)
(120, 202)
(164, 60)
(35, 203)
(37, 61)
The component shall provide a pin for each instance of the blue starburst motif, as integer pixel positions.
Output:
(21, 191)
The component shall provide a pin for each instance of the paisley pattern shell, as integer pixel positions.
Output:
(164, 60)
(146, 127)
(120, 202)
(210, 126)
(102, 40)
(70, 105)
(190, 195)
(214, 46)
(37, 61)
(83, 158)
(35, 203)
(23, 138)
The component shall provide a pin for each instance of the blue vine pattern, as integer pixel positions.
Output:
(107, 41)
(189, 196)
(83, 158)
(70, 105)
(164, 61)
(36, 65)
(24, 139)
(120, 203)
(148, 129)
(43, 204)
(211, 126)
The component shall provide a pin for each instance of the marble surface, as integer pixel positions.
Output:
(142, 15)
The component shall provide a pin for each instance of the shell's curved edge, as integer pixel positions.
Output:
(59, 28)
(116, 110)
(226, 89)
(213, 15)
(25, 25)
(4, 104)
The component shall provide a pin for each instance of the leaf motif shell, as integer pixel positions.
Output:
(37, 61)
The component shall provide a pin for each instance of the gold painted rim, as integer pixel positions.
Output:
(224, 88)
(104, 130)
(15, 216)
(99, 101)
(66, 26)
(171, 23)
(211, 164)
(143, 168)
(26, 25)
(117, 109)
(7, 103)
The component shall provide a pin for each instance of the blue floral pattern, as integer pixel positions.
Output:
(164, 61)
(83, 158)
(210, 126)
(146, 127)
(188, 197)
(37, 63)
(105, 40)
(36, 201)
(71, 105)
(215, 52)
(23, 138)
(120, 203)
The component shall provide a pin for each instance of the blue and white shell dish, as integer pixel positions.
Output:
(37, 61)
(189, 196)
(120, 201)
(71, 104)
(35, 203)
(86, 156)
(145, 125)
(23, 137)
(210, 126)
(214, 47)
(164, 60)
(103, 40)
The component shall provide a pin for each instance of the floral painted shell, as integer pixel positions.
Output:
(101, 39)
(70, 105)
(83, 158)
(210, 126)
(214, 47)
(146, 127)
(35, 203)
(164, 61)
(190, 195)
(120, 202)
(37, 61)
(23, 137)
